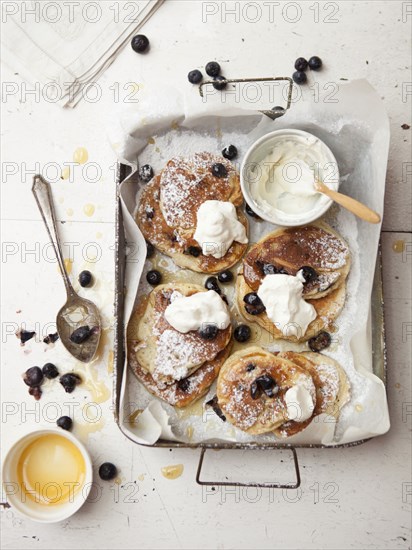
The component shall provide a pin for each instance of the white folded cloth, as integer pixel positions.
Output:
(62, 47)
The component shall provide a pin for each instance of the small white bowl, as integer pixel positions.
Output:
(328, 172)
(25, 505)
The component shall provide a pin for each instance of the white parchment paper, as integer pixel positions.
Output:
(357, 131)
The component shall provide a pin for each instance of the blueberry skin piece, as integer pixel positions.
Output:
(140, 43)
(299, 77)
(301, 64)
(212, 68)
(315, 63)
(65, 422)
(85, 278)
(219, 83)
(107, 471)
(194, 77)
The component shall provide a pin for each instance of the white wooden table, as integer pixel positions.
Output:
(349, 499)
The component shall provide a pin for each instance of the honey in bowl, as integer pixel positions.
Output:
(51, 470)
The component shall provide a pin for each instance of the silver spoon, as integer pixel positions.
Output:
(78, 321)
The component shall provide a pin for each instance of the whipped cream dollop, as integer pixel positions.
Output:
(284, 179)
(285, 306)
(186, 313)
(217, 227)
(299, 403)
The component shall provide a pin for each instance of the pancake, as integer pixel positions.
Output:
(289, 249)
(264, 413)
(186, 391)
(327, 309)
(172, 233)
(165, 353)
(332, 388)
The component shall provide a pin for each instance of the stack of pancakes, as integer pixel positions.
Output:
(266, 412)
(287, 250)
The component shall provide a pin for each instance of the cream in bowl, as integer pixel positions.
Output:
(47, 475)
(278, 177)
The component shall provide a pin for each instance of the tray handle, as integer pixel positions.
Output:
(271, 113)
(267, 485)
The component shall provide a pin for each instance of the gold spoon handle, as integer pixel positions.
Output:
(42, 194)
(354, 206)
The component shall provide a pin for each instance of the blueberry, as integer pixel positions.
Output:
(146, 173)
(308, 273)
(215, 406)
(208, 332)
(184, 385)
(194, 77)
(320, 342)
(250, 367)
(35, 392)
(51, 338)
(219, 170)
(149, 212)
(219, 83)
(25, 335)
(107, 471)
(150, 250)
(81, 334)
(69, 381)
(251, 212)
(255, 310)
(50, 371)
(33, 377)
(194, 251)
(230, 152)
(212, 284)
(255, 390)
(315, 63)
(65, 422)
(225, 276)
(140, 43)
(85, 278)
(265, 381)
(301, 64)
(270, 269)
(212, 68)
(299, 77)
(242, 333)
(252, 299)
(154, 277)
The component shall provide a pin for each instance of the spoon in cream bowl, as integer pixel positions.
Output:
(78, 321)
(354, 206)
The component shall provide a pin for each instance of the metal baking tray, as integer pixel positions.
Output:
(378, 352)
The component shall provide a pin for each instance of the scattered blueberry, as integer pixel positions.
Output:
(299, 77)
(146, 173)
(230, 152)
(320, 342)
(85, 278)
(255, 390)
(265, 381)
(308, 273)
(149, 212)
(35, 392)
(150, 250)
(301, 64)
(69, 381)
(213, 403)
(81, 334)
(252, 299)
(212, 68)
(65, 422)
(225, 277)
(184, 384)
(107, 471)
(140, 43)
(315, 63)
(242, 333)
(251, 212)
(250, 367)
(255, 310)
(212, 284)
(219, 83)
(25, 335)
(219, 170)
(154, 277)
(269, 269)
(208, 332)
(194, 251)
(51, 338)
(33, 377)
(194, 77)
(50, 371)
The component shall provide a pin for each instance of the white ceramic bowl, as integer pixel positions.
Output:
(328, 172)
(28, 507)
